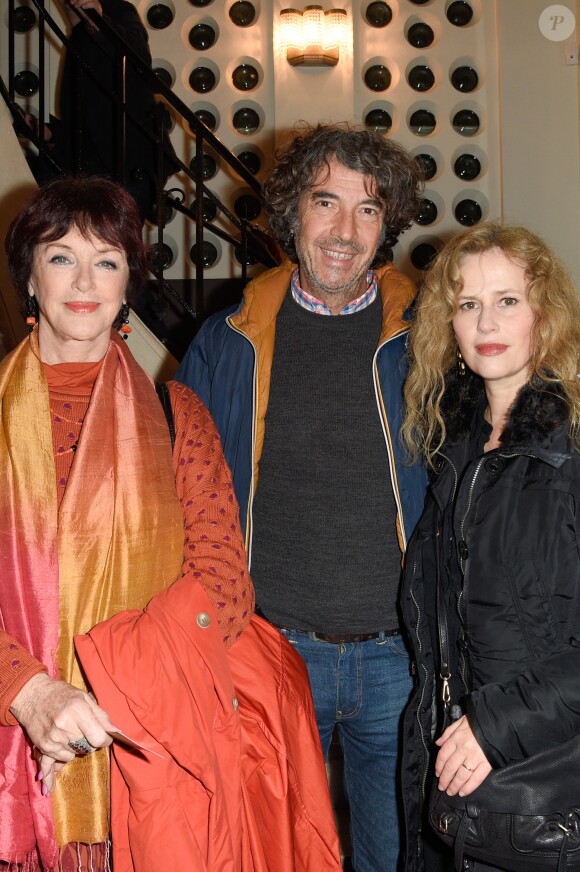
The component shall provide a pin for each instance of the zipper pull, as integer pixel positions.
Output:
(445, 692)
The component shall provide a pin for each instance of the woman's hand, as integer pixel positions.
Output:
(461, 765)
(54, 713)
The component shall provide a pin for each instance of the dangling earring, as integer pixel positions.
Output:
(460, 363)
(31, 312)
(125, 327)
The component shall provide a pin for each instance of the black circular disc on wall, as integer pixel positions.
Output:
(209, 254)
(26, 83)
(379, 120)
(427, 164)
(427, 213)
(246, 120)
(421, 78)
(465, 79)
(468, 212)
(378, 77)
(466, 122)
(459, 13)
(242, 13)
(378, 14)
(422, 122)
(420, 35)
(24, 19)
(423, 255)
(202, 36)
(159, 16)
(202, 79)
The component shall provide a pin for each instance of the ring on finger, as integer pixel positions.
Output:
(465, 766)
(81, 746)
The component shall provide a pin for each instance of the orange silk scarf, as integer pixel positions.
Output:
(115, 542)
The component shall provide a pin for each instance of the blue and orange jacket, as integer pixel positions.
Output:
(229, 363)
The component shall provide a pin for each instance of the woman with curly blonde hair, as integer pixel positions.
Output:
(493, 404)
(555, 332)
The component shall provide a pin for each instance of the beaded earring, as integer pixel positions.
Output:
(460, 363)
(31, 312)
(125, 327)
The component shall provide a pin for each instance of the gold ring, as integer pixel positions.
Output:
(465, 766)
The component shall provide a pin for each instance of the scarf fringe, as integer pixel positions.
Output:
(86, 858)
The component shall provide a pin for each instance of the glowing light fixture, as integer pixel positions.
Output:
(313, 37)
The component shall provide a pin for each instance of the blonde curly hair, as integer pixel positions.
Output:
(433, 347)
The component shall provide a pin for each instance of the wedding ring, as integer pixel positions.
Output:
(465, 766)
(81, 746)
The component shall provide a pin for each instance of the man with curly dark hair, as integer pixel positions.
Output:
(313, 403)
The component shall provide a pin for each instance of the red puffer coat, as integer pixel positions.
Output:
(241, 785)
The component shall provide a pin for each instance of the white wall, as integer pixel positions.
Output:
(540, 132)
(528, 100)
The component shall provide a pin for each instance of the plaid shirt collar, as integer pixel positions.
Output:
(307, 301)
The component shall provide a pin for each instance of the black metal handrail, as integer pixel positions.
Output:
(250, 239)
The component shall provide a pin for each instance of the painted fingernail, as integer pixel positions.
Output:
(39, 776)
(44, 790)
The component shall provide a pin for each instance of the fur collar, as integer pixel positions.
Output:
(538, 416)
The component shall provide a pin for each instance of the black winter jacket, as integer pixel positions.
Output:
(515, 529)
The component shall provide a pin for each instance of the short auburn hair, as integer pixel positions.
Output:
(93, 206)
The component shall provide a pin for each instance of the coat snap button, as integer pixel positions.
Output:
(235, 703)
(494, 465)
(203, 620)
(463, 550)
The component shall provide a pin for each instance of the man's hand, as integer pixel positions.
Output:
(53, 713)
(32, 122)
(461, 765)
(71, 8)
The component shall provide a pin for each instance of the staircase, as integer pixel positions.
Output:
(169, 317)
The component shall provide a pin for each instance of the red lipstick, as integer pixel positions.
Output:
(82, 307)
(491, 349)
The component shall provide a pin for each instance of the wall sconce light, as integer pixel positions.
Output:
(313, 37)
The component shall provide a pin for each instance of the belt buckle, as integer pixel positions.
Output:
(330, 638)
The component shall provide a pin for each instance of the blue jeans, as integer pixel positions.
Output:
(362, 688)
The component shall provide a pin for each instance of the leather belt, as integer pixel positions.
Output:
(344, 638)
(334, 638)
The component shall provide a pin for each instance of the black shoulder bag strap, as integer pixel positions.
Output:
(165, 399)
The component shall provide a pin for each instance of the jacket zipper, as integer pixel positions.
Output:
(249, 520)
(444, 676)
(469, 501)
(461, 611)
(461, 607)
(422, 697)
(387, 434)
(455, 477)
(424, 742)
